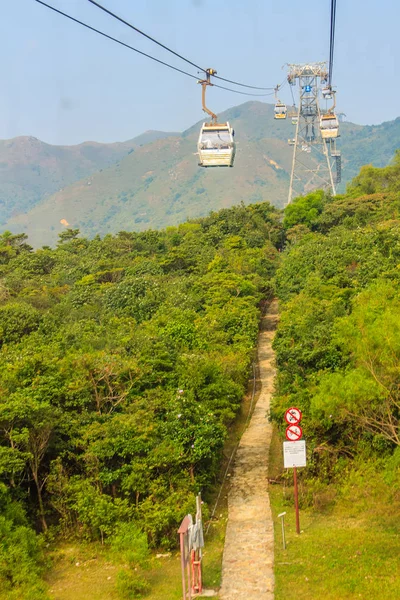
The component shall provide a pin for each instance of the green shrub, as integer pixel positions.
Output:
(131, 544)
(131, 585)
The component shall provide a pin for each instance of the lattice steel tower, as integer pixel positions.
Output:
(314, 158)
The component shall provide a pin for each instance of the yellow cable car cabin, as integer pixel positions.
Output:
(216, 146)
(280, 111)
(329, 126)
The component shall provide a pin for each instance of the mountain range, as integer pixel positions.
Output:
(153, 180)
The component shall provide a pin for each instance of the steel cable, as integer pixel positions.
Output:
(109, 12)
(332, 41)
(157, 60)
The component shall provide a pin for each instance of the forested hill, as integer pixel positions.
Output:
(32, 170)
(160, 183)
(124, 361)
(337, 346)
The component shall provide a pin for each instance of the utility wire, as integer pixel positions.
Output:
(161, 62)
(332, 41)
(103, 8)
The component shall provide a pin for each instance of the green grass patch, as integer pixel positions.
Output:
(349, 546)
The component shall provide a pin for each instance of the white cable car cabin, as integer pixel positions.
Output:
(329, 126)
(327, 93)
(216, 146)
(280, 110)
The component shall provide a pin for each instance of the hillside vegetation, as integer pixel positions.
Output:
(160, 184)
(338, 357)
(123, 362)
(32, 170)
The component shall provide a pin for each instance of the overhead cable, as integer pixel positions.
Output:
(253, 87)
(161, 62)
(60, 12)
(145, 34)
(109, 12)
(332, 40)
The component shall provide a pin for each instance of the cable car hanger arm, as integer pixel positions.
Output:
(204, 84)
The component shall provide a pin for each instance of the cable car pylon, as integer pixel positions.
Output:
(314, 153)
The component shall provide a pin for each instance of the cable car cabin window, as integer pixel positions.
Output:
(280, 111)
(216, 139)
(329, 124)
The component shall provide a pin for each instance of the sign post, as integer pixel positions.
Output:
(296, 500)
(282, 518)
(294, 452)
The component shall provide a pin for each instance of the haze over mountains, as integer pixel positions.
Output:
(153, 180)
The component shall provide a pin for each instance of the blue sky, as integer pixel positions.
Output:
(64, 84)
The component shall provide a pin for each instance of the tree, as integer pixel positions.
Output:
(367, 392)
(304, 210)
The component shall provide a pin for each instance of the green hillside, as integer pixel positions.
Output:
(125, 360)
(338, 360)
(161, 184)
(31, 170)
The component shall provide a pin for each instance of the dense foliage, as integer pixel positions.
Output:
(123, 360)
(337, 345)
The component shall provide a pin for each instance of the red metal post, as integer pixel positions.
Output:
(196, 555)
(182, 544)
(296, 500)
(188, 570)
(197, 585)
(185, 559)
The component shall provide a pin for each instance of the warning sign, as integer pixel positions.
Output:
(293, 433)
(294, 454)
(293, 416)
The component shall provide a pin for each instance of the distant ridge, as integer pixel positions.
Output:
(154, 181)
(31, 170)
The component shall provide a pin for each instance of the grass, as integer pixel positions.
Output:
(80, 572)
(349, 546)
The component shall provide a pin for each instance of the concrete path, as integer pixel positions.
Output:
(247, 565)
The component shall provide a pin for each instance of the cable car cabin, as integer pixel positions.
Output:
(329, 126)
(295, 120)
(280, 111)
(216, 147)
(327, 93)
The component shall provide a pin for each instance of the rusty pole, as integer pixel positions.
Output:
(296, 500)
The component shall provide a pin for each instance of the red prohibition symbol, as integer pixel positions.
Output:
(293, 433)
(293, 416)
